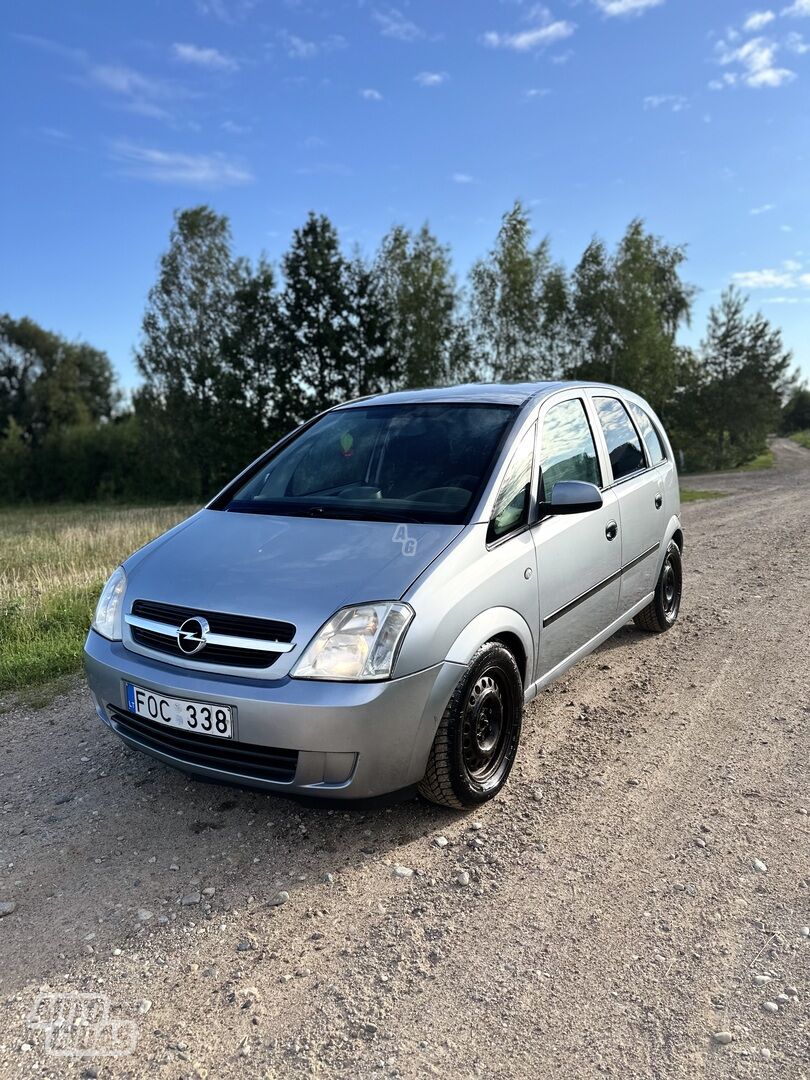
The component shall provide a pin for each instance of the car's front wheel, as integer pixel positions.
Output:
(662, 611)
(477, 739)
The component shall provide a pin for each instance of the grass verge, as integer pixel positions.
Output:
(53, 562)
(764, 460)
(693, 495)
(802, 438)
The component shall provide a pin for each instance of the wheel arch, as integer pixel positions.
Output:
(497, 624)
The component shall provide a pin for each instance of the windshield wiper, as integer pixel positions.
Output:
(361, 514)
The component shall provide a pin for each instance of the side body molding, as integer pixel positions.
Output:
(490, 624)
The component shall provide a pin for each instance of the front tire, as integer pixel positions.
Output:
(662, 611)
(477, 740)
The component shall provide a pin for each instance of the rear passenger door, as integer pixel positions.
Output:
(578, 555)
(639, 492)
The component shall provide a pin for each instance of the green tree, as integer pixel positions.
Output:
(372, 319)
(626, 310)
(518, 305)
(315, 367)
(419, 290)
(250, 418)
(796, 413)
(48, 383)
(190, 314)
(15, 464)
(744, 371)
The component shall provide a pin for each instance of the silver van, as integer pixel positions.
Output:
(369, 605)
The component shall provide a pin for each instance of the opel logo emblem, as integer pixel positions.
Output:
(193, 635)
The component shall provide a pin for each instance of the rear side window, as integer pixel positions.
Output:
(568, 451)
(511, 510)
(624, 448)
(648, 434)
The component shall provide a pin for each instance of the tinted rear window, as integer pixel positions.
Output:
(624, 448)
(648, 434)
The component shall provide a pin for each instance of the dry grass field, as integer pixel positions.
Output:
(53, 562)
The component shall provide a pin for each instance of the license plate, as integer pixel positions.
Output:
(200, 717)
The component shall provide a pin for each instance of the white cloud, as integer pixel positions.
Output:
(788, 277)
(786, 228)
(55, 134)
(798, 9)
(431, 78)
(138, 93)
(232, 128)
(795, 43)
(462, 178)
(757, 62)
(227, 11)
(766, 209)
(538, 37)
(209, 58)
(626, 7)
(298, 48)
(674, 102)
(370, 94)
(535, 92)
(141, 94)
(394, 24)
(758, 20)
(173, 167)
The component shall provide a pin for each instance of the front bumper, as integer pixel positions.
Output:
(352, 740)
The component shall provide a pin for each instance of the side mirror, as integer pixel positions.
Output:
(573, 497)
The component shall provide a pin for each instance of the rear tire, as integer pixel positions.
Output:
(477, 740)
(662, 611)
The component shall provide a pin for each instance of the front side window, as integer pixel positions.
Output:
(511, 510)
(624, 448)
(567, 450)
(408, 462)
(648, 433)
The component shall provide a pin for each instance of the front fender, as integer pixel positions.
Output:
(489, 624)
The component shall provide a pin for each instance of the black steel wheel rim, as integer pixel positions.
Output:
(671, 587)
(486, 733)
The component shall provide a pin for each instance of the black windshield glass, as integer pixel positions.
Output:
(413, 462)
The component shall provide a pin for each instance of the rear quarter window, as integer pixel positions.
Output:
(645, 425)
(624, 447)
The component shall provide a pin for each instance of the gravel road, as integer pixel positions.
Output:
(628, 907)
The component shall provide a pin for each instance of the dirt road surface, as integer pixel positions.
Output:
(606, 916)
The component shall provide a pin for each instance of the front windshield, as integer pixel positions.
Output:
(412, 462)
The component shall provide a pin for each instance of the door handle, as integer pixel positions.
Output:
(611, 530)
(659, 500)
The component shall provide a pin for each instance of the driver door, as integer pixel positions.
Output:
(578, 555)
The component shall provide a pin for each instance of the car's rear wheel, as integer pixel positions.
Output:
(477, 739)
(662, 611)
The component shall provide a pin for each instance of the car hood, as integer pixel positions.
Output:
(298, 570)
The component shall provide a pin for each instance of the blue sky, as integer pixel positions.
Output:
(694, 114)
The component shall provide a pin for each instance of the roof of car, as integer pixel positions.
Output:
(485, 393)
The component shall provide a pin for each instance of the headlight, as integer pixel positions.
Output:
(107, 619)
(357, 643)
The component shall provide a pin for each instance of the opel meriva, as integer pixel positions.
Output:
(369, 605)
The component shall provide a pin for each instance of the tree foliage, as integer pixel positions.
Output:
(418, 290)
(518, 305)
(742, 377)
(233, 354)
(625, 314)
